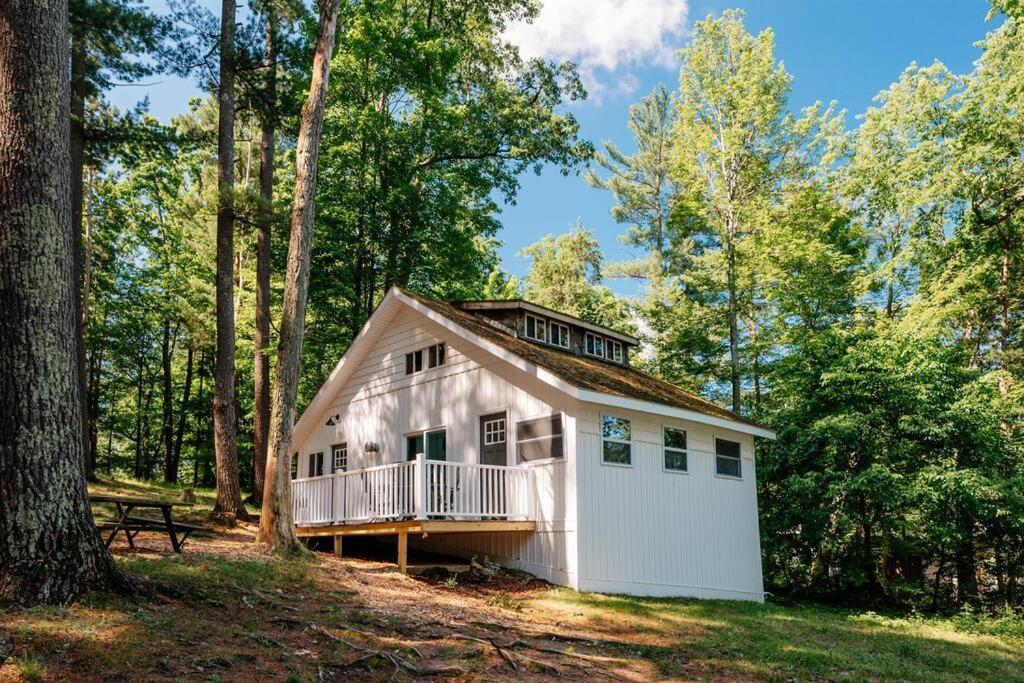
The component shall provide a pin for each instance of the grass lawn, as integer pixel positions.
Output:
(224, 610)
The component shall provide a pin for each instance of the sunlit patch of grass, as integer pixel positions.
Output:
(203, 575)
(29, 667)
(749, 640)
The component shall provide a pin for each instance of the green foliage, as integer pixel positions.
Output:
(565, 275)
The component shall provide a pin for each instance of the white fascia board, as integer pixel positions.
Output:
(670, 411)
(321, 401)
(488, 346)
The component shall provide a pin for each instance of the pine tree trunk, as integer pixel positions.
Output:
(50, 550)
(229, 497)
(261, 340)
(182, 415)
(77, 149)
(734, 335)
(277, 521)
(167, 405)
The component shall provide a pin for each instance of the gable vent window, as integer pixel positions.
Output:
(594, 344)
(614, 350)
(727, 458)
(413, 362)
(435, 355)
(539, 438)
(536, 328)
(560, 335)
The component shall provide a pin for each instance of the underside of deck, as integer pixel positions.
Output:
(402, 529)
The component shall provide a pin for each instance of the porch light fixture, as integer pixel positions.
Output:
(371, 447)
(333, 420)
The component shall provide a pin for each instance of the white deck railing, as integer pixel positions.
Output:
(418, 489)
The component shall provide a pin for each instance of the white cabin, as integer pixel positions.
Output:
(506, 429)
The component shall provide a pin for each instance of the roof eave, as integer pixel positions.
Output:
(642, 406)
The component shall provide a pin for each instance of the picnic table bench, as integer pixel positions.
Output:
(132, 524)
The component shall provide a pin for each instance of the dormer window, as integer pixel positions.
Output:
(536, 328)
(614, 351)
(560, 335)
(594, 345)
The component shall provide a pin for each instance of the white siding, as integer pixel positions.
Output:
(379, 403)
(647, 531)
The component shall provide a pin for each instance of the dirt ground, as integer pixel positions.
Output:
(225, 611)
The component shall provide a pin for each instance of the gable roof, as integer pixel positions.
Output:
(582, 378)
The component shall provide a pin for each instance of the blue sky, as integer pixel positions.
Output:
(846, 50)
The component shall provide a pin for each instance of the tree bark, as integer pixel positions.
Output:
(77, 151)
(182, 416)
(50, 550)
(261, 340)
(734, 335)
(229, 498)
(276, 521)
(167, 404)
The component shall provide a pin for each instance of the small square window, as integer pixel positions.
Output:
(560, 335)
(536, 328)
(435, 355)
(494, 431)
(594, 344)
(413, 362)
(614, 350)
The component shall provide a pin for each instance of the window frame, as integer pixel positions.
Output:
(609, 344)
(516, 442)
(530, 317)
(316, 457)
(715, 438)
(665, 447)
(423, 433)
(628, 442)
(598, 338)
(501, 431)
(437, 354)
(413, 362)
(552, 327)
(343, 446)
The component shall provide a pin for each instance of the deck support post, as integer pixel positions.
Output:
(337, 544)
(420, 486)
(403, 552)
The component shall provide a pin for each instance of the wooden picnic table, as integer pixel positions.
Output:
(131, 525)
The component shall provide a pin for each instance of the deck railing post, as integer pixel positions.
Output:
(420, 481)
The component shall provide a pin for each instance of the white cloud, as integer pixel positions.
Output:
(609, 35)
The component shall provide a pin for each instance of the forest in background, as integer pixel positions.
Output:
(856, 287)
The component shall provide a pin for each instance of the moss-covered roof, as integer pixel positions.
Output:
(582, 372)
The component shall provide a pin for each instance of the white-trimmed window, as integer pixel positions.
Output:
(316, 464)
(339, 457)
(675, 449)
(594, 345)
(435, 355)
(536, 328)
(560, 335)
(614, 350)
(727, 458)
(540, 438)
(616, 440)
(413, 362)
(494, 431)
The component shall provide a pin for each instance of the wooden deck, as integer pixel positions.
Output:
(402, 529)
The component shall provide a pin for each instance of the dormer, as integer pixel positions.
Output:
(556, 330)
